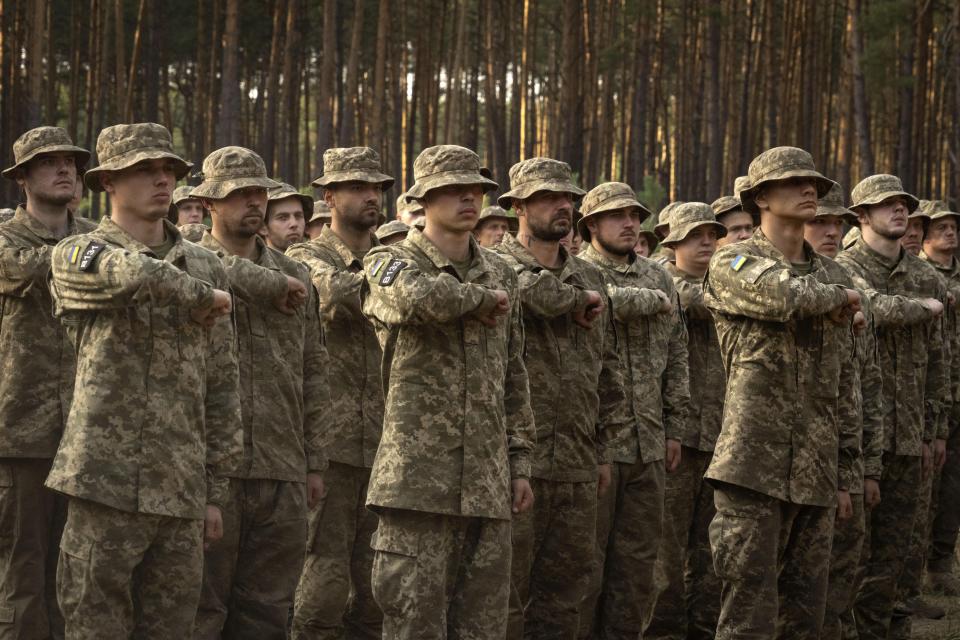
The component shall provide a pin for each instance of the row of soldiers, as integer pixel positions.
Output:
(468, 433)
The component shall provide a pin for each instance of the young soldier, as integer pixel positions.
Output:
(652, 345)
(688, 603)
(578, 402)
(189, 210)
(287, 210)
(321, 216)
(36, 381)
(646, 242)
(250, 576)
(339, 559)
(458, 431)
(493, 224)
(409, 212)
(154, 422)
(729, 212)
(784, 454)
(664, 254)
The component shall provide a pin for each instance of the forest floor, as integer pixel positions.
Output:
(947, 628)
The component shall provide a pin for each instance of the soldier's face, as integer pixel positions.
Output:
(454, 208)
(572, 242)
(824, 233)
(50, 178)
(887, 219)
(694, 252)
(941, 236)
(739, 226)
(356, 204)
(913, 239)
(793, 199)
(189, 211)
(285, 223)
(615, 232)
(143, 190)
(547, 215)
(490, 232)
(241, 213)
(642, 248)
(314, 228)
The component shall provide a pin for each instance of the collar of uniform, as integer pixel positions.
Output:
(761, 242)
(264, 259)
(952, 270)
(331, 239)
(422, 242)
(866, 251)
(267, 259)
(599, 259)
(676, 271)
(39, 229)
(111, 231)
(522, 254)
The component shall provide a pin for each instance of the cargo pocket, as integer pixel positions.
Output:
(73, 568)
(736, 539)
(395, 570)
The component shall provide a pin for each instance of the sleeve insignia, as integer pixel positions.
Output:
(737, 263)
(376, 266)
(89, 255)
(391, 272)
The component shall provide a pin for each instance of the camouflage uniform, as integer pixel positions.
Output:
(915, 387)
(784, 448)
(392, 230)
(577, 395)
(503, 214)
(457, 427)
(193, 232)
(688, 601)
(36, 384)
(339, 558)
(154, 422)
(284, 403)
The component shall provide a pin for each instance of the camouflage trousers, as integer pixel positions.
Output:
(250, 575)
(31, 522)
(552, 560)
(127, 574)
(946, 513)
(891, 531)
(334, 599)
(848, 540)
(688, 600)
(629, 525)
(438, 576)
(774, 559)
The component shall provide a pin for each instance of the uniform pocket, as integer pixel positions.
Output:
(395, 568)
(737, 537)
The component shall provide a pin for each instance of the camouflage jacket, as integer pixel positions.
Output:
(951, 280)
(284, 400)
(870, 414)
(156, 399)
(356, 419)
(652, 357)
(708, 380)
(911, 348)
(36, 360)
(576, 385)
(457, 423)
(786, 430)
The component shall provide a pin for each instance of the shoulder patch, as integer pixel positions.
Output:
(376, 266)
(89, 255)
(393, 269)
(737, 263)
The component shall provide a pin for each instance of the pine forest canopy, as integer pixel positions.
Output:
(674, 97)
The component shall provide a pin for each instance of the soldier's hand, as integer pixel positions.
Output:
(221, 306)
(939, 453)
(294, 297)
(522, 495)
(666, 305)
(859, 322)
(934, 306)
(844, 505)
(316, 490)
(926, 455)
(604, 478)
(501, 308)
(212, 526)
(871, 493)
(841, 314)
(585, 315)
(672, 459)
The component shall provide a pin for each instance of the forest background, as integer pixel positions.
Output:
(674, 97)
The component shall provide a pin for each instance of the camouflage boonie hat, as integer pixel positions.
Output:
(539, 174)
(689, 216)
(124, 145)
(662, 228)
(493, 211)
(194, 231)
(405, 206)
(392, 228)
(780, 163)
(182, 193)
(230, 168)
(652, 239)
(44, 140)
(352, 164)
(321, 212)
(444, 165)
(725, 204)
(740, 183)
(832, 205)
(609, 196)
(287, 191)
(935, 210)
(877, 188)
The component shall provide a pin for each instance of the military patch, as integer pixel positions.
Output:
(74, 254)
(737, 263)
(90, 255)
(390, 273)
(375, 267)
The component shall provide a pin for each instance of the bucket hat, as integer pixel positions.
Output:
(832, 205)
(285, 191)
(44, 140)
(352, 164)
(539, 174)
(608, 196)
(230, 168)
(390, 229)
(444, 165)
(124, 145)
(780, 163)
(877, 188)
(689, 216)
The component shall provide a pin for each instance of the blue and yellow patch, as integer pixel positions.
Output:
(376, 266)
(74, 254)
(737, 263)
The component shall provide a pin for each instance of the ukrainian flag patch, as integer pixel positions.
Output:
(375, 267)
(74, 254)
(737, 263)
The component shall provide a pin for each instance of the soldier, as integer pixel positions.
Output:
(250, 576)
(458, 430)
(494, 222)
(688, 603)
(321, 216)
(915, 384)
(573, 241)
(188, 209)
(409, 212)
(823, 234)
(664, 254)
(917, 222)
(155, 416)
(729, 212)
(784, 457)
(577, 398)
(74, 205)
(287, 210)
(36, 381)
(646, 243)
(652, 344)
(339, 557)
(392, 232)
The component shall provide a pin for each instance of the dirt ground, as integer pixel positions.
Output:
(946, 629)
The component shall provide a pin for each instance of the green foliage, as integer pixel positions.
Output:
(652, 196)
